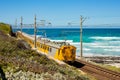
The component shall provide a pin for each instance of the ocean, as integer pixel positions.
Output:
(96, 41)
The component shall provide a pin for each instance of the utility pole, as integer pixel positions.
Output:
(16, 23)
(21, 23)
(35, 31)
(82, 19)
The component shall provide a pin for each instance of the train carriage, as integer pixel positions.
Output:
(59, 50)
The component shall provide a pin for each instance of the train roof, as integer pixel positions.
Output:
(56, 44)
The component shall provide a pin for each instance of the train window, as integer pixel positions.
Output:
(58, 51)
(63, 51)
(73, 51)
(45, 47)
(37, 44)
(50, 49)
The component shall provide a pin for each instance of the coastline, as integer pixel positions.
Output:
(18, 61)
(95, 41)
(107, 60)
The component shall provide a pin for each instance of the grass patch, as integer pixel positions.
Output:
(5, 28)
(113, 68)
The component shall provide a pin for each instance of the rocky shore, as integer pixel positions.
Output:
(104, 59)
(109, 60)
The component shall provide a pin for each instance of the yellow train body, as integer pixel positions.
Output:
(59, 50)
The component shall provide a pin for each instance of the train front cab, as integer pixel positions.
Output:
(66, 53)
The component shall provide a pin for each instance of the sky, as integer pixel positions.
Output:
(61, 12)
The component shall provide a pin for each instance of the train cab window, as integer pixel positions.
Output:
(63, 51)
(73, 51)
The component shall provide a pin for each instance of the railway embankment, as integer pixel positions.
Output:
(19, 62)
(108, 62)
(99, 72)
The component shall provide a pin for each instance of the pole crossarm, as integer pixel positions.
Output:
(28, 25)
(84, 19)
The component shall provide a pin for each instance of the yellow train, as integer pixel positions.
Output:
(59, 50)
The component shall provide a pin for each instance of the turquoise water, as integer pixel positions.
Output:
(95, 41)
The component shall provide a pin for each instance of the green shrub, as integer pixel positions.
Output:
(29, 60)
(5, 28)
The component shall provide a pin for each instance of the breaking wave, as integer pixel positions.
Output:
(105, 38)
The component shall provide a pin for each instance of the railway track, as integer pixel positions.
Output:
(98, 72)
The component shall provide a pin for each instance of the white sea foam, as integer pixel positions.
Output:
(113, 50)
(69, 41)
(99, 48)
(105, 38)
(106, 47)
(114, 42)
(76, 43)
(92, 54)
(86, 49)
(93, 44)
(39, 36)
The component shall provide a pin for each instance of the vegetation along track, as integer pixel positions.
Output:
(96, 71)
